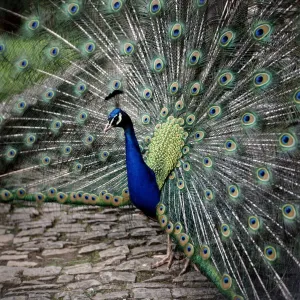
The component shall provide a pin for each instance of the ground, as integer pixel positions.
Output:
(56, 252)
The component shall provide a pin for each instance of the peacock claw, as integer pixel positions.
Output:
(187, 263)
(167, 259)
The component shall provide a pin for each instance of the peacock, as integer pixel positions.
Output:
(186, 109)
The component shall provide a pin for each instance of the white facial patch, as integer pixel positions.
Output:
(119, 119)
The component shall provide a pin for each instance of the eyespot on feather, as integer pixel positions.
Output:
(208, 194)
(21, 193)
(176, 31)
(248, 119)
(33, 24)
(147, 94)
(146, 119)
(51, 192)
(270, 253)
(183, 239)
(262, 32)
(262, 79)
(263, 174)
(226, 282)
(73, 9)
(174, 88)
(161, 209)
(177, 228)
(189, 250)
(289, 211)
(253, 223)
(207, 162)
(5, 195)
(199, 135)
(214, 111)
(158, 65)
(39, 198)
(225, 230)
(205, 252)
(230, 145)
(226, 79)
(233, 191)
(155, 7)
(169, 227)
(194, 58)
(296, 97)
(61, 197)
(226, 38)
(195, 88)
(287, 141)
(163, 221)
(116, 5)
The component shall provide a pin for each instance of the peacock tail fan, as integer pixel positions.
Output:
(212, 88)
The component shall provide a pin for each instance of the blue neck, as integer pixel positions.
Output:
(143, 189)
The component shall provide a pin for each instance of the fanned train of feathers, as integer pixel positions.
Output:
(227, 71)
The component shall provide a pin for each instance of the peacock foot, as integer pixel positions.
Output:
(186, 264)
(168, 259)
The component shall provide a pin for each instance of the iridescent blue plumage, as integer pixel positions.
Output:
(143, 189)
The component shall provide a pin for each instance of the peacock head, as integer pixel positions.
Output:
(117, 118)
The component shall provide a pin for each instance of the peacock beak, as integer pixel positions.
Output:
(108, 126)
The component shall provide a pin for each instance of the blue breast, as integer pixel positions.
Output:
(143, 189)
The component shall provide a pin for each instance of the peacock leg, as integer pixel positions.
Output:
(187, 263)
(168, 258)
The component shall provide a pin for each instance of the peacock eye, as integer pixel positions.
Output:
(225, 79)
(179, 105)
(2, 48)
(80, 88)
(263, 174)
(158, 65)
(174, 88)
(253, 223)
(73, 9)
(195, 89)
(116, 85)
(54, 51)
(128, 48)
(297, 97)
(11, 153)
(146, 119)
(287, 141)
(208, 194)
(270, 253)
(116, 5)
(180, 184)
(194, 58)
(214, 111)
(262, 80)
(248, 119)
(176, 31)
(226, 38)
(230, 145)
(289, 211)
(225, 230)
(33, 24)
(147, 94)
(89, 47)
(262, 32)
(205, 252)
(22, 64)
(155, 7)
(201, 3)
(207, 162)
